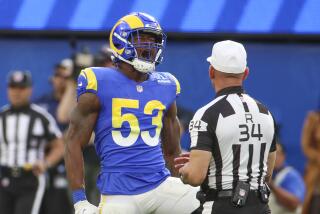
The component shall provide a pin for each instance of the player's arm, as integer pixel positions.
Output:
(285, 198)
(170, 137)
(270, 166)
(82, 121)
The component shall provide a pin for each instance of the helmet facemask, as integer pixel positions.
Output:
(147, 47)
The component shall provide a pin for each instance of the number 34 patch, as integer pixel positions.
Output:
(198, 126)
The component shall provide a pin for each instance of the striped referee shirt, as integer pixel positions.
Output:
(240, 133)
(24, 132)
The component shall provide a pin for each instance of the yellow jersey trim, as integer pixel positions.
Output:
(178, 90)
(91, 79)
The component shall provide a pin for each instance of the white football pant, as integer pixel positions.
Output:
(172, 196)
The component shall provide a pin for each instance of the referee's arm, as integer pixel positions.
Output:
(56, 145)
(51, 159)
(270, 165)
(195, 170)
(54, 137)
(272, 154)
(56, 152)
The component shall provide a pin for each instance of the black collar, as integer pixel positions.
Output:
(230, 90)
(22, 109)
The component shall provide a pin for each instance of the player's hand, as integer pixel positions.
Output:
(84, 207)
(180, 161)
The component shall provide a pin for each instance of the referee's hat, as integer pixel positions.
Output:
(19, 79)
(228, 57)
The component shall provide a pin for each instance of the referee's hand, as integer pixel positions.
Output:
(180, 161)
(39, 167)
(84, 207)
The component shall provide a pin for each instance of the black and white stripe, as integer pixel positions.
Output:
(239, 131)
(23, 134)
(39, 194)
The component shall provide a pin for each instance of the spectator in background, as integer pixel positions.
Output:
(60, 81)
(56, 199)
(26, 129)
(103, 57)
(311, 148)
(68, 85)
(287, 187)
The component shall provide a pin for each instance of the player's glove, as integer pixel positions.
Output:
(84, 207)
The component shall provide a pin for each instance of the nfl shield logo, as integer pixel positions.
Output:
(139, 88)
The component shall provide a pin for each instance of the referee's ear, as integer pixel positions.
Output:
(211, 72)
(246, 73)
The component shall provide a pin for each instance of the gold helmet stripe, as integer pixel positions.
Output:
(133, 21)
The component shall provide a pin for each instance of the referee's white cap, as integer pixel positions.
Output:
(228, 57)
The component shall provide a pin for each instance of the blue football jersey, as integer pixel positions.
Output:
(127, 131)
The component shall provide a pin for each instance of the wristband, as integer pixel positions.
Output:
(78, 195)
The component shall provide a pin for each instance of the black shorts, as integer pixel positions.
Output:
(56, 201)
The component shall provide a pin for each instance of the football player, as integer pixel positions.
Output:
(132, 110)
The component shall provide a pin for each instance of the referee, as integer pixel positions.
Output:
(25, 131)
(232, 140)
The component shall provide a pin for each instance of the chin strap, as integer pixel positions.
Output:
(143, 66)
(140, 65)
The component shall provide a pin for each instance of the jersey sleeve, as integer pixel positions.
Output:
(87, 82)
(176, 82)
(201, 135)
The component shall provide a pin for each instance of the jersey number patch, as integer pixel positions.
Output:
(118, 119)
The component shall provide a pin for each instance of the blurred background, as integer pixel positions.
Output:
(282, 39)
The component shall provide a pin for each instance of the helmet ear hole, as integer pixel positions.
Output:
(118, 46)
(131, 37)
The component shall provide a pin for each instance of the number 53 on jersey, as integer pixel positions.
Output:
(118, 118)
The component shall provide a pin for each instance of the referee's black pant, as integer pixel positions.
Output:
(21, 191)
(223, 205)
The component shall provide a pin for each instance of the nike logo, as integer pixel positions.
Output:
(80, 84)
